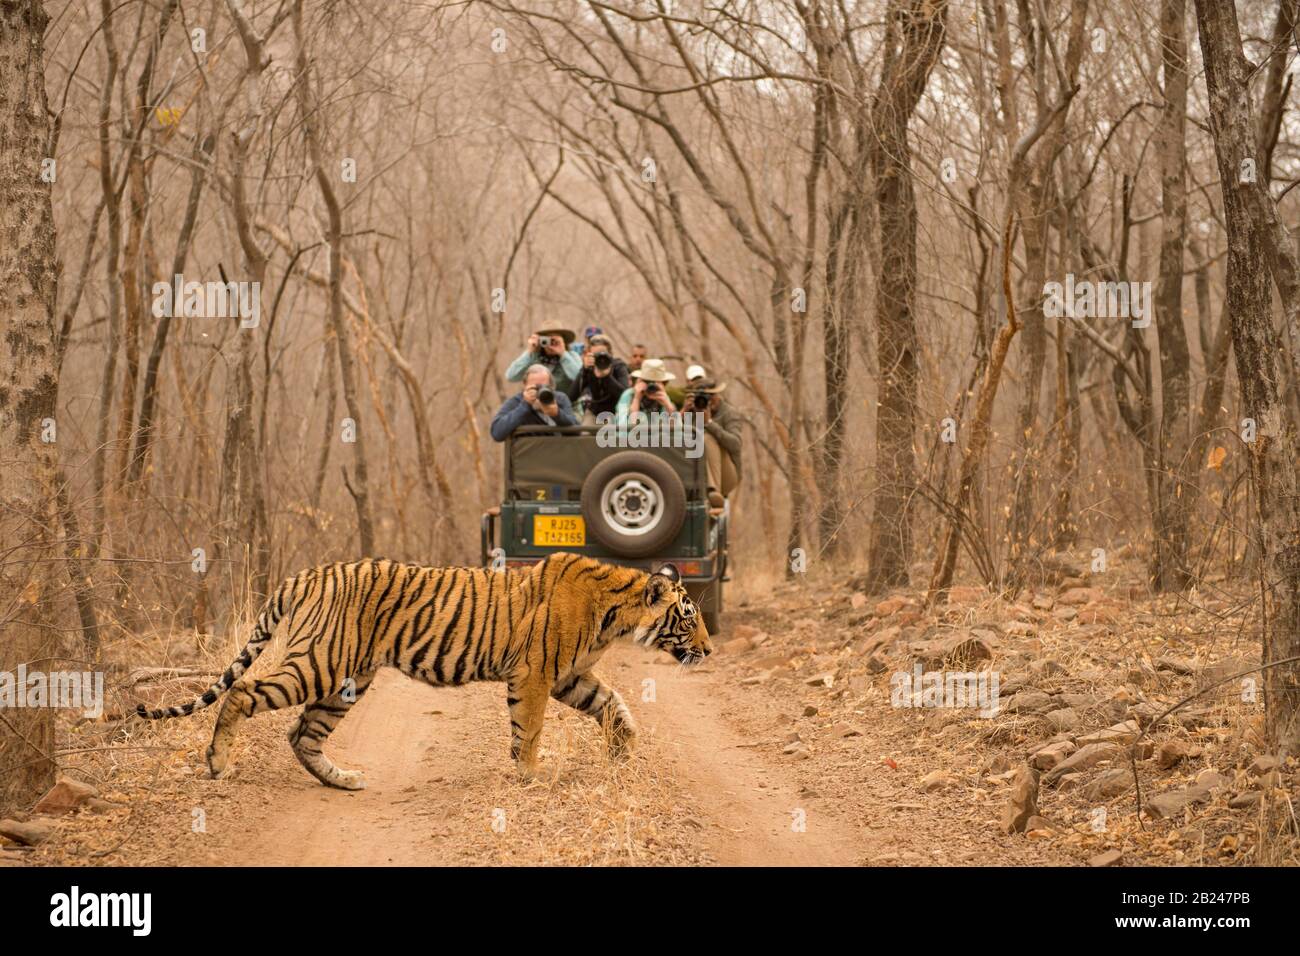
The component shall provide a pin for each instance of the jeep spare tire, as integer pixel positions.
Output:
(634, 504)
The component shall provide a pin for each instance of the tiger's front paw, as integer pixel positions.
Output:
(527, 772)
(348, 780)
(218, 762)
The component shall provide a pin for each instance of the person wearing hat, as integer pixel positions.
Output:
(648, 393)
(589, 333)
(550, 347)
(694, 374)
(603, 379)
(722, 438)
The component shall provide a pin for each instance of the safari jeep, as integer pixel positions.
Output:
(637, 507)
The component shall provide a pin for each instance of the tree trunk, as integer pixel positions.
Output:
(113, 229)
(835, 359)
(1037, 199)
(360, 486)
(1258, 244)
(914, 37)
(1169, 567)
(28, 394)
(144, 437)
(945, 563)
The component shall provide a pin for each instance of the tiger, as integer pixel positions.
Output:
(539, 629)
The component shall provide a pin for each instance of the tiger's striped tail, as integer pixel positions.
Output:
(274, 609)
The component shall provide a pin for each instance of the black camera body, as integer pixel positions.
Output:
(603, 361)
(700, 401)
(546, 396)
(652, 388)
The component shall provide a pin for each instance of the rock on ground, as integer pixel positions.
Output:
(1023, 801)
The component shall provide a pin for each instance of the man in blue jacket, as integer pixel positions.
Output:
(538, 404)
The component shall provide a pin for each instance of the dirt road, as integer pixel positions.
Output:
(756, 758)
(440, 788)
(785, 749)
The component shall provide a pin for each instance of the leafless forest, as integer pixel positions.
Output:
(1006, 293)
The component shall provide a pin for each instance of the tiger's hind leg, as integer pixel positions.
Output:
(317, 722)
(249, 697)
(592, 696)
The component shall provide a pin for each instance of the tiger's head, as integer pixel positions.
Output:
(671, 621)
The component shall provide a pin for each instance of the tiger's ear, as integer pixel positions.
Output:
(655, 587)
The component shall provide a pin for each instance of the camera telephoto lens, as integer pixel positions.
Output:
(701, 402)
(546, 396)
(652, 387)
(603, 360)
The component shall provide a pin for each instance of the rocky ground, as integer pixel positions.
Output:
(1089, 675)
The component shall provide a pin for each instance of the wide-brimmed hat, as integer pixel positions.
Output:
(566, 334)
(652, 370)
(708, 388)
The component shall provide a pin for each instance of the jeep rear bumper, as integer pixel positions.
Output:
(693, 568)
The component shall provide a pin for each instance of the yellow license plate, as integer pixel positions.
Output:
(559, 531)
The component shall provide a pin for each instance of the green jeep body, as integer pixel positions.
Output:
(546, 475)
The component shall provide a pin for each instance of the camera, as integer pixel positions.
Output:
(545, 341)
(651, 387)
(602, 360)
(546, 396)
(700, 401)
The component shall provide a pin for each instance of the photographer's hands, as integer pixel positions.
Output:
(659, 396)
(530, 396)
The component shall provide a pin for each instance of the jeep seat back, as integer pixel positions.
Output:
(543, 459)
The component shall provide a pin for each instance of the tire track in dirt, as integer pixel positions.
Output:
(391, 734)
(751, 808)
(431, 752)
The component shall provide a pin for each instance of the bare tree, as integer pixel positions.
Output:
(1171, 509)
(1259, 249)
(28, 394)
(360, 485)
(914, 36)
